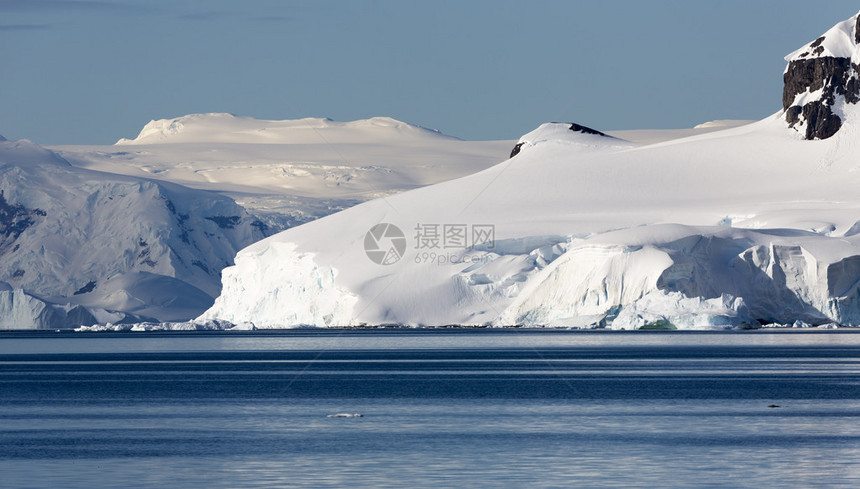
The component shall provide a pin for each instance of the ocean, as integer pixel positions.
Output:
(440, 408)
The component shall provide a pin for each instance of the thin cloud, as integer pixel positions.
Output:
(273, 18)
(204, 16)
(23, 27)
(48, 6)
(214, 15)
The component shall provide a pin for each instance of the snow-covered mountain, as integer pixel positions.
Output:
(752, 224)
(73, 237)
(108, 233)
(292, 171)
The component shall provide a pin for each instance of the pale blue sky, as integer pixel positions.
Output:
(80, 72)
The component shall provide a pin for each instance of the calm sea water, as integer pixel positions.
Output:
(442, 408)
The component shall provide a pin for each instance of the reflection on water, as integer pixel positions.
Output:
(370, 339)
(440, 409)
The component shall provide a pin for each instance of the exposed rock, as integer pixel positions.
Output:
(89, 287)
(857, 30)
(586, 130)
(225, 222)
(833, 77)
(14, 220)
(819, 79)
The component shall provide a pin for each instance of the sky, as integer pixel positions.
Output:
(94, 71)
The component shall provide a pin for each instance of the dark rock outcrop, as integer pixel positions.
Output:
(812, 70)
(587, 130)
(225, 222)
(836, 76)
(857, 30)
(91, 286)
(14, 220)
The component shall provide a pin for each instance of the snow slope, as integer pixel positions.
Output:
(81, 237)
(719, 230)
(652, 136)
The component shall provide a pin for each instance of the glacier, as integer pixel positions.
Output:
(141, 230)
(748, 225)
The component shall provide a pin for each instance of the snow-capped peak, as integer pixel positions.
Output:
(568, 133)
(230, 128)
(841, 41)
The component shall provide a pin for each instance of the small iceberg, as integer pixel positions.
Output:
(345, 415)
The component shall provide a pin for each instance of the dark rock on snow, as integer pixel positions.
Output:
(838, 77)
(587, 130)
(573, 127)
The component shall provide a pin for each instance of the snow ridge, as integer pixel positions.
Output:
(839, 42)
